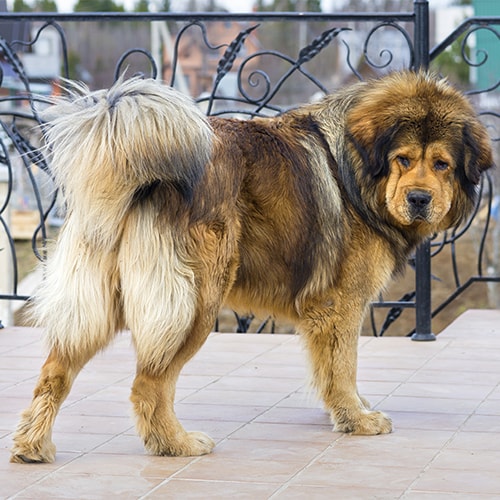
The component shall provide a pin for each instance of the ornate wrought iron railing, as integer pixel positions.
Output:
(248, 65)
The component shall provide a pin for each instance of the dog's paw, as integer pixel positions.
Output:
(367, 423)
(192, 444)
(26, 455)
(197, 443)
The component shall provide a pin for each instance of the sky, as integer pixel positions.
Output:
(231, 5)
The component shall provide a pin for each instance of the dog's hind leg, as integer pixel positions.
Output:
(77, 307)
(153, 395)
(33, 437)
(176, 316)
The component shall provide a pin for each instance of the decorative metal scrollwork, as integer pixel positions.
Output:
(257, 76)
(120, 64)
(386, 55)
(260, 78)
(482, 55)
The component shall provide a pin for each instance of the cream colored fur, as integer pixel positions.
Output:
(151, 274)
(106, 143)
(80, 302)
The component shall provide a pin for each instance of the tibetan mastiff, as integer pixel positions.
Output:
(305, 216)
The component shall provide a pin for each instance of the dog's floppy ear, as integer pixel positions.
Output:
(478, 155)
(372, 142)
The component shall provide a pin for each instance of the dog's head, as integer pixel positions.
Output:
(420, 142)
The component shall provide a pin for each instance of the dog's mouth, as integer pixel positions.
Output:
(423, 217)
(419, 205)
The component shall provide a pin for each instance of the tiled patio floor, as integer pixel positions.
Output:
(274, 440)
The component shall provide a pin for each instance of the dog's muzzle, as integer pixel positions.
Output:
(419, 202)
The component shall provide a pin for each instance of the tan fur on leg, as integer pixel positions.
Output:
(156, 422)
(153, 271)
(78, 304)
(333, 358)
(153, 392)
(33, 437)
(153, 399)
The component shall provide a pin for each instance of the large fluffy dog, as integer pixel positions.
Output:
(306, 215)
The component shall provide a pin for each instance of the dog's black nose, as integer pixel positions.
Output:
(418, 200)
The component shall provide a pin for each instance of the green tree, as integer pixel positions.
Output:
(377, 6)
(199, 6)
(141, 6)
(21, 6)
(45, 6)
(289, 6)
(451, 63)
(98, 6)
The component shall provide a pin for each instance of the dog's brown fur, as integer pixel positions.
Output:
(306, 216)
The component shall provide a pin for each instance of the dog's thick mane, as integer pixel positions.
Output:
(359, 188)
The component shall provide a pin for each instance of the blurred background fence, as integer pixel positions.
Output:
(254, 64)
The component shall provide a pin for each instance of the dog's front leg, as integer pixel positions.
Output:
(331, 335)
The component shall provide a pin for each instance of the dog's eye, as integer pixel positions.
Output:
(440, 165)
(404, 161)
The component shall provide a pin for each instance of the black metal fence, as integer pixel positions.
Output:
(247, 65)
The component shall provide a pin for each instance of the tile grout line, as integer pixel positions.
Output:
(45, 476)
(228, 436)
(311, 462)
(415, 371)
(450, 440)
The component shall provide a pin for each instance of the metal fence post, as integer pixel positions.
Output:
(423, 311)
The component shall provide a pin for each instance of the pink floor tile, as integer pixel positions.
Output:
(274, 440)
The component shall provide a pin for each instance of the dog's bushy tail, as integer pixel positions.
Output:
(105, 146)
